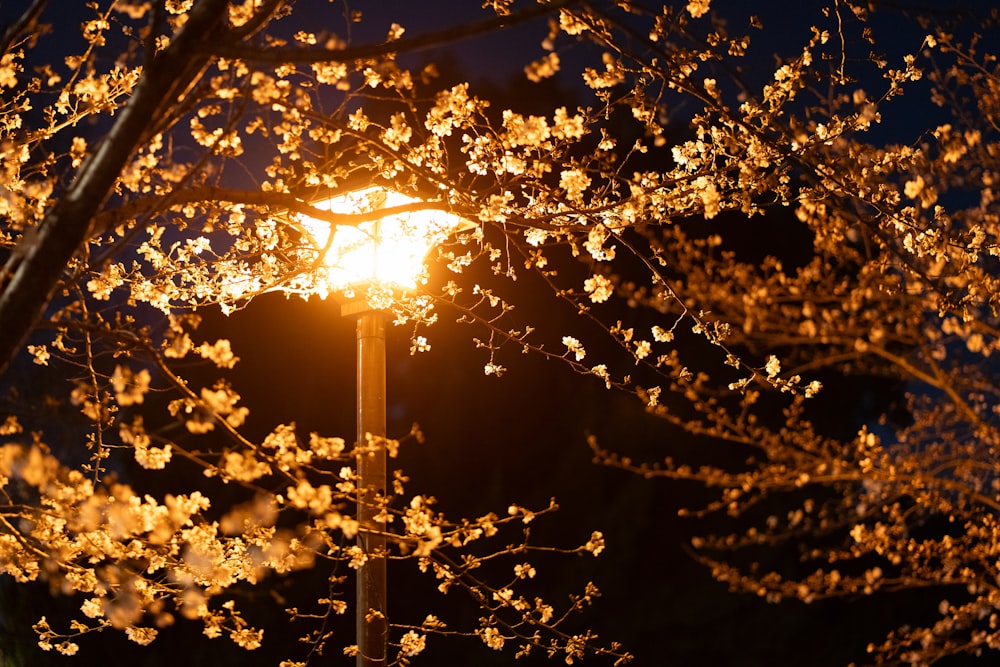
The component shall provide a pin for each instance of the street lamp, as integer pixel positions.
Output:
(384, 254)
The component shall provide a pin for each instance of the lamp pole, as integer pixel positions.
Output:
(372, 621)
(388, 252)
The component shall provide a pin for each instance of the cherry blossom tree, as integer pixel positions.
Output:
(165, 164)
(892, 286)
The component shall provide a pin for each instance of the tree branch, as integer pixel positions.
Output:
(21, 26)
(249, 52)
(278, 201)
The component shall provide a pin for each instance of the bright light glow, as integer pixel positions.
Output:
(389, 251)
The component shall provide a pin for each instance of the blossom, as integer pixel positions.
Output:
(453, 108)
(305, 496)
(773, 367)
(8, 70)
(813, 388)
(496, 208)
(524, 571)
(574, 346)
(601, 371)
(141, 636)
(598, 287)
(698, 8)
(325, 448)
(244, 466)
(596, 543)
(130, 388)
(653, 397)
(594, 244)
(40, 353)
(153, 458)
(662, 335)
(67, 648)
(566, 126)
(10, 426)
(709, 195)
(92, 608)
(222, 400)
(419, 344)
(612, 75)
(535, 236)
(543, 68)
(492, 638)
(179, 6)
(493, 369)
(398, 132)
(112, 277)
(525, 131)
(220, 353)
(570, 24)
(247, 638)
(413, 643)
(358, 121)
(544, 611)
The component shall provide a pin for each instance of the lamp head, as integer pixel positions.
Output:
(386, 252)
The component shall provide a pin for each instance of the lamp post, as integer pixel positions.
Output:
(386, 254)
(372, 613)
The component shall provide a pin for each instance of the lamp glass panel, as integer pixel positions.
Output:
(389, 251)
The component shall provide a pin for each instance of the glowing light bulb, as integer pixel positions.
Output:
(389, 251)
